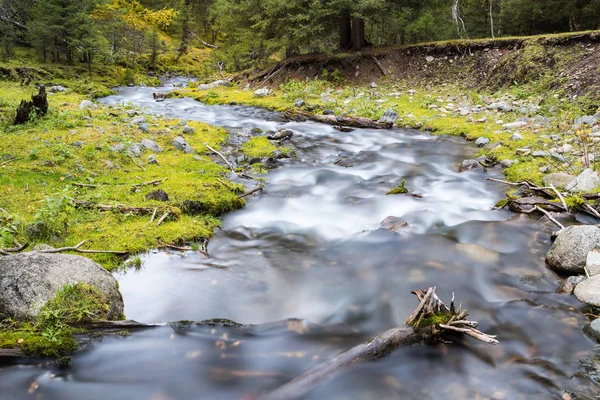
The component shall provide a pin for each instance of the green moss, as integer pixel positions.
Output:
(258, 147)
(74, 303)
(575, 202)
(400, 189)
(51, 334)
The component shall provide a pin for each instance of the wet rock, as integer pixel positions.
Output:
(182, 145)
(87, 104)
(593, 330)
(558, 179)
(568, 285)
(482, 141)
(158, 195)
(592, 263)
(393, 224)
(152, 145)
(256, 131)
(588, 291)
(468, 165)
(568, 254)
(389, 117)
(587, 181)
(188, 130)
(135, 150)
(263, 92)
(212, 85)
(29, 280)
(281, 135)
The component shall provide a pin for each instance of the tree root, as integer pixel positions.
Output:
(430, 321)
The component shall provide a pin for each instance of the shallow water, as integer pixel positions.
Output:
(309, 247)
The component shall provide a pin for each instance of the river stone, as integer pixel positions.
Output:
(568, 253)
(212, 85)
(87, 104)
(182, 145)
(516, 136)
(389, 117)
(29, 280)
(468, 165)
(593, 330)
(587, 181)
(263, 92)
(152, 145)
(568, 285)
(482, 141)
(559, 179)
(592, 263)
(393, 224)
(57, 89)
(588, 291)
(188, 130)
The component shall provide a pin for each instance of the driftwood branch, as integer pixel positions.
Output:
(411, 333)
(140, 166)
(212, 46)
(220, 155)
(120, 208)
(550, 217)
(347, 121)
(77, 249)
(251, 192)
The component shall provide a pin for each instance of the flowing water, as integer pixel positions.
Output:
(309, 247)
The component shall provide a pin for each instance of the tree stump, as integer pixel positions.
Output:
(37, 105)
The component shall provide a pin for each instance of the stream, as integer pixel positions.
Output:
(308, 252)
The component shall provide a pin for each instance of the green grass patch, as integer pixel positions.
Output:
(258, 147)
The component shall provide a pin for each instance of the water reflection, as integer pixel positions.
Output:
(309, 247)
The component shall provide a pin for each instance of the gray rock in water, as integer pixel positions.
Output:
(468, 165)
(87, 104)
(281, 134)
(188, 130)
(152, 145)
(568, 254)
(393, 224)
(593, 330)
(29, 280)
(588, 291)
(389, 117)
(135, 150)
(482, 141)
(559, 179)
(587, 181)
(182, 145)
(568, 285)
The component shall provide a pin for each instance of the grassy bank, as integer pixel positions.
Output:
(58, 169)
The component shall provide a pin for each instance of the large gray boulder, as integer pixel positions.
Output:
(587, 181)
(558, 179)
(588, 291)
(29, 280)
(569, 252)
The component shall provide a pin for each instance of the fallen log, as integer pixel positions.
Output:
(337, 120)
(429, 322)
(120, 208)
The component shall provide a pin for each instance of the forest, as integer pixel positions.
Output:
(249, 32)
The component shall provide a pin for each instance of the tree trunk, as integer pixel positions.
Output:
(37, 105)
(345, 30)
(492, 18)
(358, 34)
